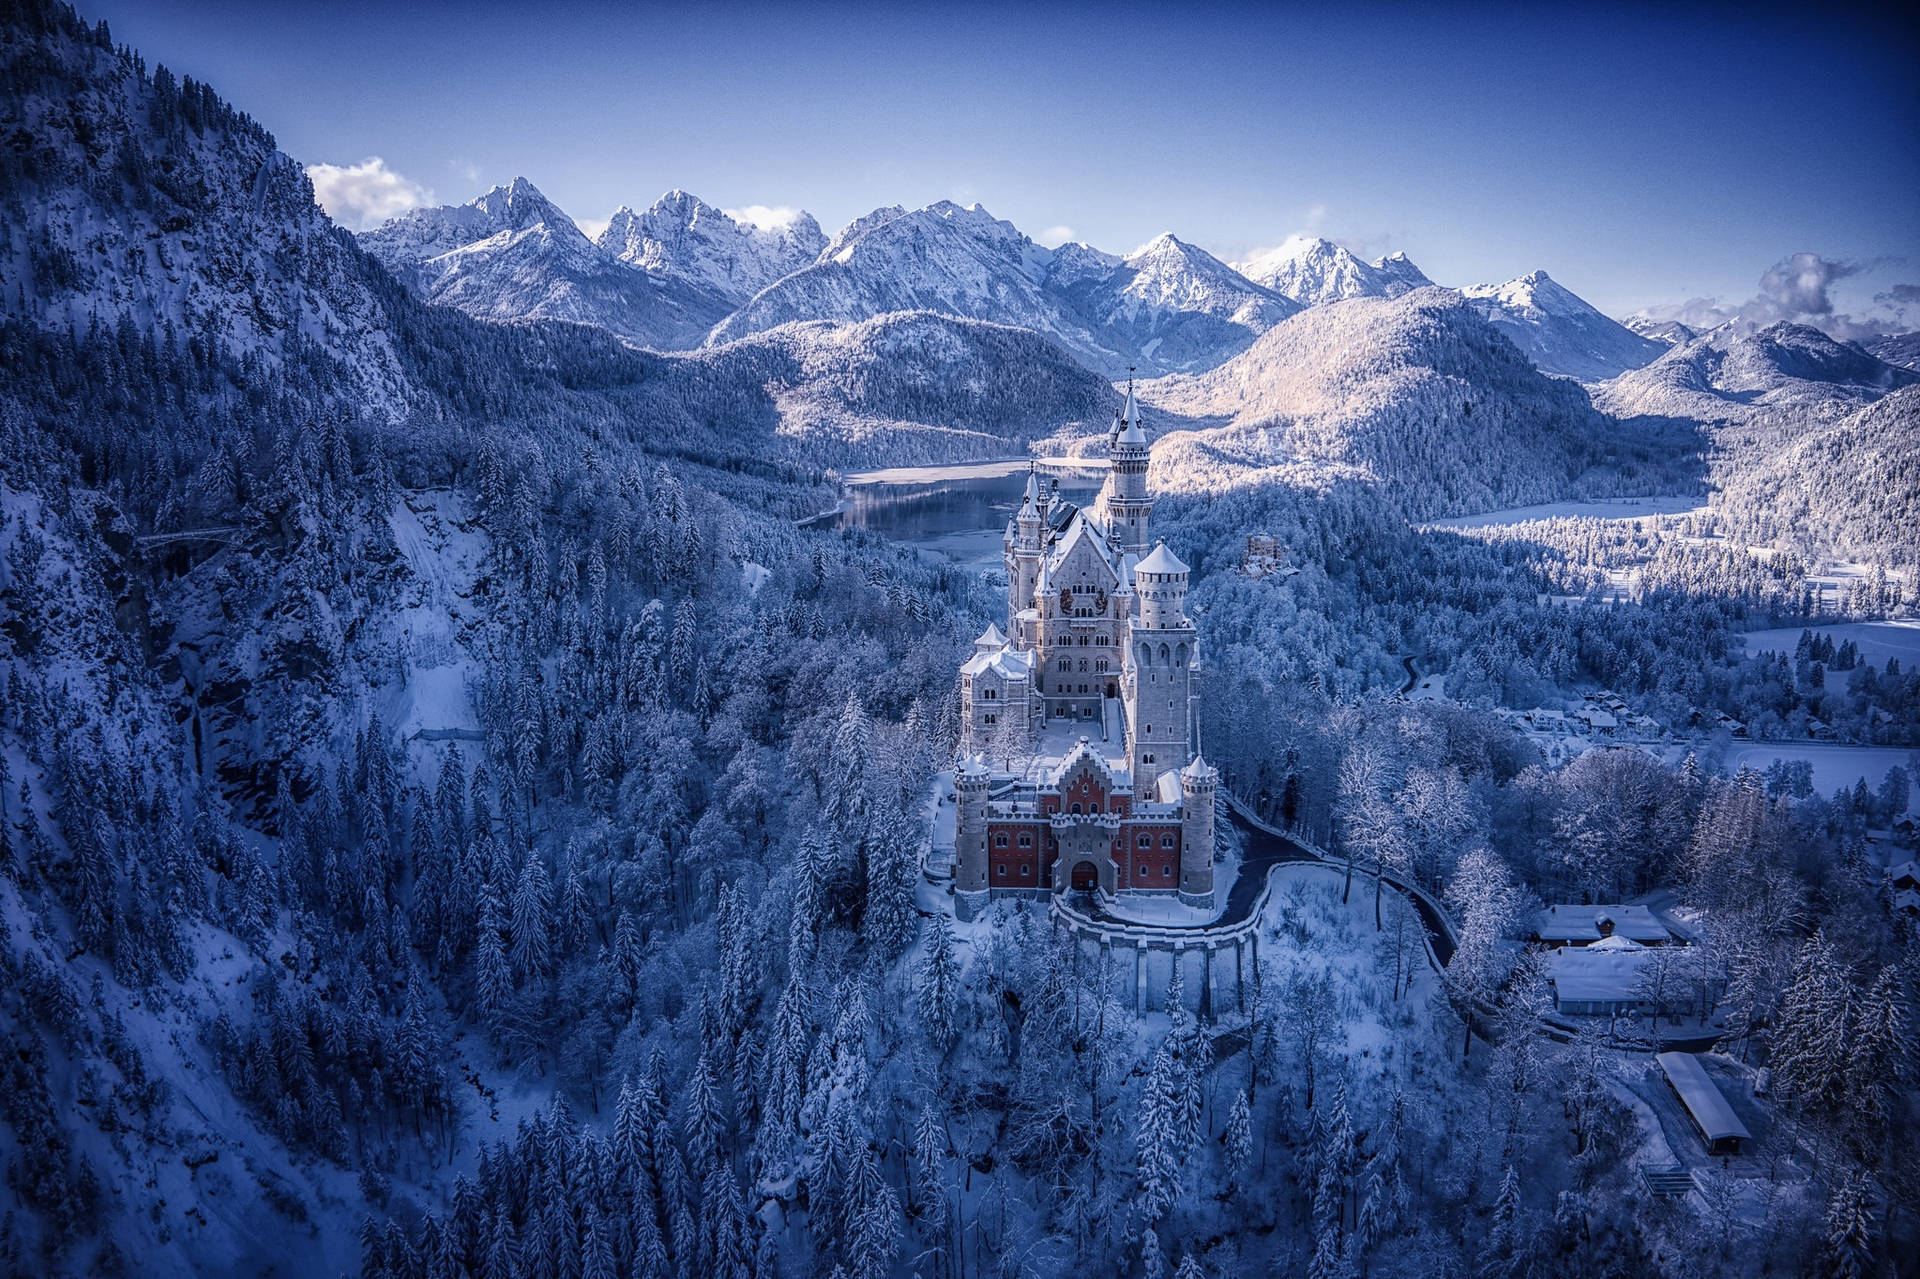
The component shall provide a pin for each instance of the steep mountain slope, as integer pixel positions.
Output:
(1177, 306)
(1559, 331)
(247, 924)
(1168, 306)
(957, 261)
(1672, 332)
(1901, 349)
(1313, 271)
(683, 237)
(1419, 392)
(512, 255)
(1848, 488)
(149, 198)
(1720, 376)
(909, 386)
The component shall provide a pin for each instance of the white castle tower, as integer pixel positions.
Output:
(1127, 505)
(1161, 646)
(1079, 769)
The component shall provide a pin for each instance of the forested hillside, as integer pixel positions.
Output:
(453, 822)
(1421, 396)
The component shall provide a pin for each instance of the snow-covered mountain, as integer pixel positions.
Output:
(138, 199)
(1177, 306)
(957, 261)
(909, 386)
(513, 255)
(1723, 375)
(1559, 330)
(1312, 271)
(1167, 306)
(683, 237)
(1419, 393)
(1850, 485)
(1672, 332)
(1902, 349)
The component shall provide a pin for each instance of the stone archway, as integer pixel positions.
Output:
(1085, 877)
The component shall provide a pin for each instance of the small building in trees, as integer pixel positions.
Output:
(1705, 1104)
(1562, 924)
(1617, 977)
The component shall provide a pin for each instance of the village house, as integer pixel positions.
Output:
(1567, 925)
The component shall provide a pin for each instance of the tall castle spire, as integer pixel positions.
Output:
(1127, 503)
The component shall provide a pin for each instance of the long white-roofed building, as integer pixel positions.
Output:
(1080, 765)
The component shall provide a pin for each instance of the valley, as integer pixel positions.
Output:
(720, 744)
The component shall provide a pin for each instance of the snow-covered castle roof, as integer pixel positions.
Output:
(1161, 560)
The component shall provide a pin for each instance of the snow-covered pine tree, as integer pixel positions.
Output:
(937, 985)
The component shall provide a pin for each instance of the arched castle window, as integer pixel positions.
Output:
(1146, 653)
(1165, 656)
(1083, 664)
(999, 841)
(1180, 655)
(1166, 841)
(1066, 663)
(991, 718)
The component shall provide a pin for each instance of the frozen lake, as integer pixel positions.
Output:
(1605, 508)
(957, 513)
(1877, 641)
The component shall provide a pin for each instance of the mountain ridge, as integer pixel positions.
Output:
(1560, 331)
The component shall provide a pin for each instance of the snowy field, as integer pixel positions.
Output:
(1877, 641)
(1833, 766)
(1609, 508)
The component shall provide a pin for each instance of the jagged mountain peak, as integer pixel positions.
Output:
(683, 237)
(1312, 270)
(1560, 331)
(518, 205)
(861, 226)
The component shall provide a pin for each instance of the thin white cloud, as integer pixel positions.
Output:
(592, 227)
(1055, 236)
(766, 217)
(364, 195)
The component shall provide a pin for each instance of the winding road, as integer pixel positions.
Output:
(1261, 850)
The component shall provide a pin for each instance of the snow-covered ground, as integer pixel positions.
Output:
(1877, 641)
(1609, 508)
(443, 553)
(1834, 766)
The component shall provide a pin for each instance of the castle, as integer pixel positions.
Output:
(1079, 763)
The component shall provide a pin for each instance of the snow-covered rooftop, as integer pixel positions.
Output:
(1566, 923)
(1161, 560)
(1597, 974)
(1702, 1097)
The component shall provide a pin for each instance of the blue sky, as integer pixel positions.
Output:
(1641, 158)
